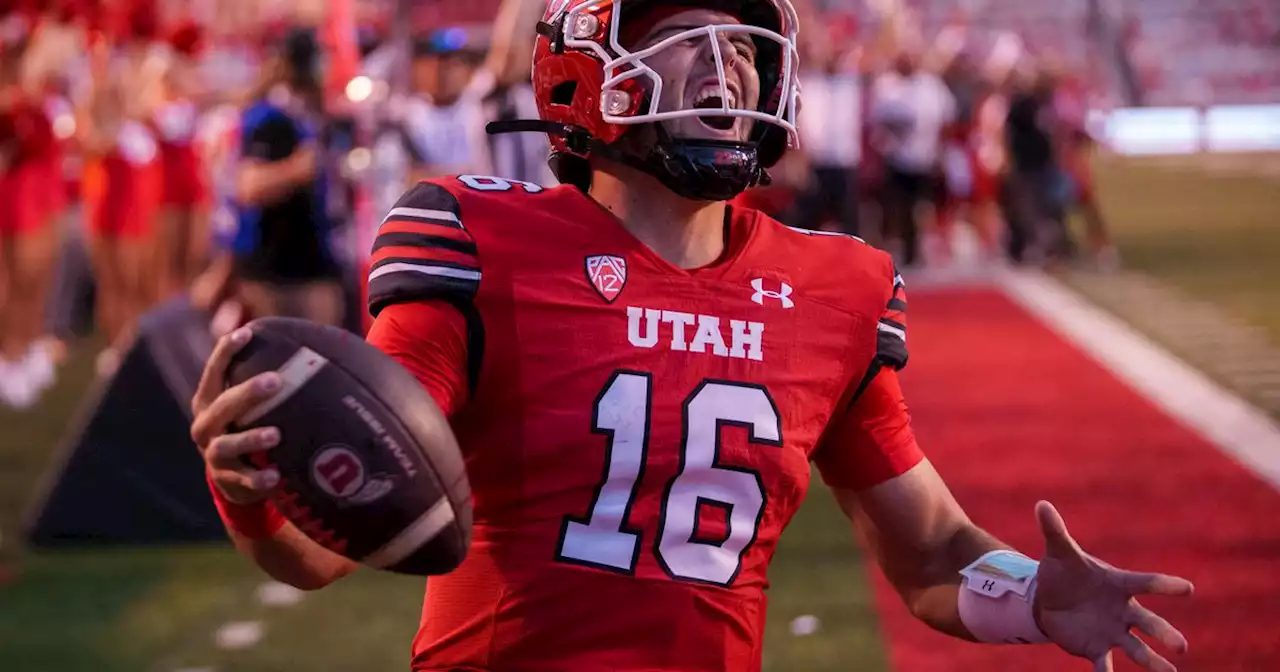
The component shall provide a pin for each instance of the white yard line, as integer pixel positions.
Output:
(1233, 425)
(238, 635)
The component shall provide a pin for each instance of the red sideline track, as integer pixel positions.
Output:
(1010, 413)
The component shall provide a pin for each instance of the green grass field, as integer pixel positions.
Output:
(1212, 234)
(156, 610)
(1206, 229)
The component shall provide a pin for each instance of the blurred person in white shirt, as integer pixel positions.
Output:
(437, 127)
(910, 107)
(466, 78)
(831, 134)
(444, 118)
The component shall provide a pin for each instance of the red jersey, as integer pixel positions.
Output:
(637, 435)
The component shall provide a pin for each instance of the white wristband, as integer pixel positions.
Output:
(997, 597)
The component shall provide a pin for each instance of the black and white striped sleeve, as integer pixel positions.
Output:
(891, 332)
(423, 251)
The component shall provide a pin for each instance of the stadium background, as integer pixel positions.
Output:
(1025, 383)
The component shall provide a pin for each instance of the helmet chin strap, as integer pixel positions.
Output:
(705, 170)
(700, 170)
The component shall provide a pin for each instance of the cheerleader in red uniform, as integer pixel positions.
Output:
(976, 155)
(121, 186)
(182, 226)
(990, 163)
(30, 181)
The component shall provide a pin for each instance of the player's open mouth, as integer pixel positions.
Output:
(709, 98)
(718, 123)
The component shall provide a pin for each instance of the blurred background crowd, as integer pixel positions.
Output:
(241, 152)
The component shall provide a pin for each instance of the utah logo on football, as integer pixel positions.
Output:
(340, 473)
(607, 273)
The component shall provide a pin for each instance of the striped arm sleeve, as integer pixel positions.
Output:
(891, 333)
(423, 252)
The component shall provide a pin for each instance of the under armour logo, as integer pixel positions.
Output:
(783, 294)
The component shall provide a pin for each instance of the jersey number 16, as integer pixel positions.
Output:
(603, 539)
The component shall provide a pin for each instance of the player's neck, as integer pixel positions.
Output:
(688, 234)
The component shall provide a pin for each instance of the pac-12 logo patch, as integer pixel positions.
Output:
(342, 475)
(608, 274)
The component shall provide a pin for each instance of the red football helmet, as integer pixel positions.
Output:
(591, 88)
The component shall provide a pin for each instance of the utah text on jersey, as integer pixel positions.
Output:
(645, 327)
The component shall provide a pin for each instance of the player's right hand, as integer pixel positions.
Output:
(215, 407)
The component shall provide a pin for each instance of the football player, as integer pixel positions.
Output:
(640, 376)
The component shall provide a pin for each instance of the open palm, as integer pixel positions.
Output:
(1088, 607)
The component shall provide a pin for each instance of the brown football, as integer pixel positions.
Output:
(368, 464)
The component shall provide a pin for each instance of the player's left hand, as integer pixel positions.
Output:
(1088, 607)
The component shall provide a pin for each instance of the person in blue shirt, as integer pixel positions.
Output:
(277, 260)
